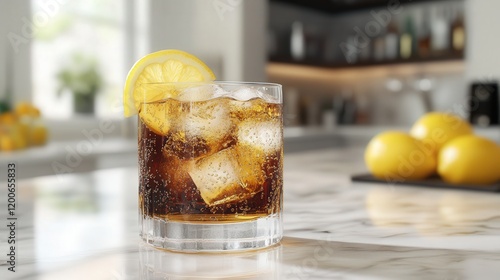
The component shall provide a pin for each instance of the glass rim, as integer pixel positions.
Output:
(226, 83)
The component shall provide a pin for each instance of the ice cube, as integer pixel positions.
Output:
(174, 172)
(251, 168)
(202, 128)
(261, 136)
(257, 144)
(207, 120)
(219, 92)
(197, 93)
(246, 93)
(217, 178)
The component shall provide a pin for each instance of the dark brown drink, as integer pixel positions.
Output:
(214, 160)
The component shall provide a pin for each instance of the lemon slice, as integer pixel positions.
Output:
(165, 66)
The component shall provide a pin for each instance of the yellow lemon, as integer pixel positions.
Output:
(24, 129)
(470, 159)
(8, 118)
(20, 139)
(38, 135)
(25, 109)
(165, 66)
(7, 143)
(436, 129)
(397, 156)
(35, 112)
(146, 80)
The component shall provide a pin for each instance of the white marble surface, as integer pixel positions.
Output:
(85, 227)
(73, 157)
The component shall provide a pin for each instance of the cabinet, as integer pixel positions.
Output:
(408, 50)
(342, 6)
(345, 34)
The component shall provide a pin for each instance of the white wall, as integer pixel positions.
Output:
(483, 43)
(12, 14)
(228, 35)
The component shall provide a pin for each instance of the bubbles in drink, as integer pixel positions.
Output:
(205, 120)
(217, 178)
(257, 142)
(178, 179)
(158, 116)
(201, 129)
(237, 173)
(220, 158)
(260, 136)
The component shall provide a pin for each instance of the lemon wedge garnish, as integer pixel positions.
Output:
(165, 66)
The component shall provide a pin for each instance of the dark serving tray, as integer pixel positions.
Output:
(433, 182)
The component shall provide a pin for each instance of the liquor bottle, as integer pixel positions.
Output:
(297, 41)
(365, 53)
(457, 34)
(379, 48)
(391, 41)
(424, 40)
(353, 55)
(440, 40)
(407, 41)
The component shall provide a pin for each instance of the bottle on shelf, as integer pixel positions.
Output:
(379, 48)
(365, 53)
(457, 34)
(424, 40)
(391, 41)
(440, 42)
(297, 41)
(407, 41)
(353, 55)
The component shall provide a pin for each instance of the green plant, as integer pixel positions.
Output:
(80, 76)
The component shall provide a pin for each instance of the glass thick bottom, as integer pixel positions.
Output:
(212, 236)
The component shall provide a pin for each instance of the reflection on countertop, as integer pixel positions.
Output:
(84, 226)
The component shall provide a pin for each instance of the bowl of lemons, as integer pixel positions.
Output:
(440, 147)
(21, 128)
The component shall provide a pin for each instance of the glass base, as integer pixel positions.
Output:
(212, 237)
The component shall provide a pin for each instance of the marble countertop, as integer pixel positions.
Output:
(74, 156)
(84, 226)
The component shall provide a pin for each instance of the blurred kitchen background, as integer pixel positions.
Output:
(343, 63)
